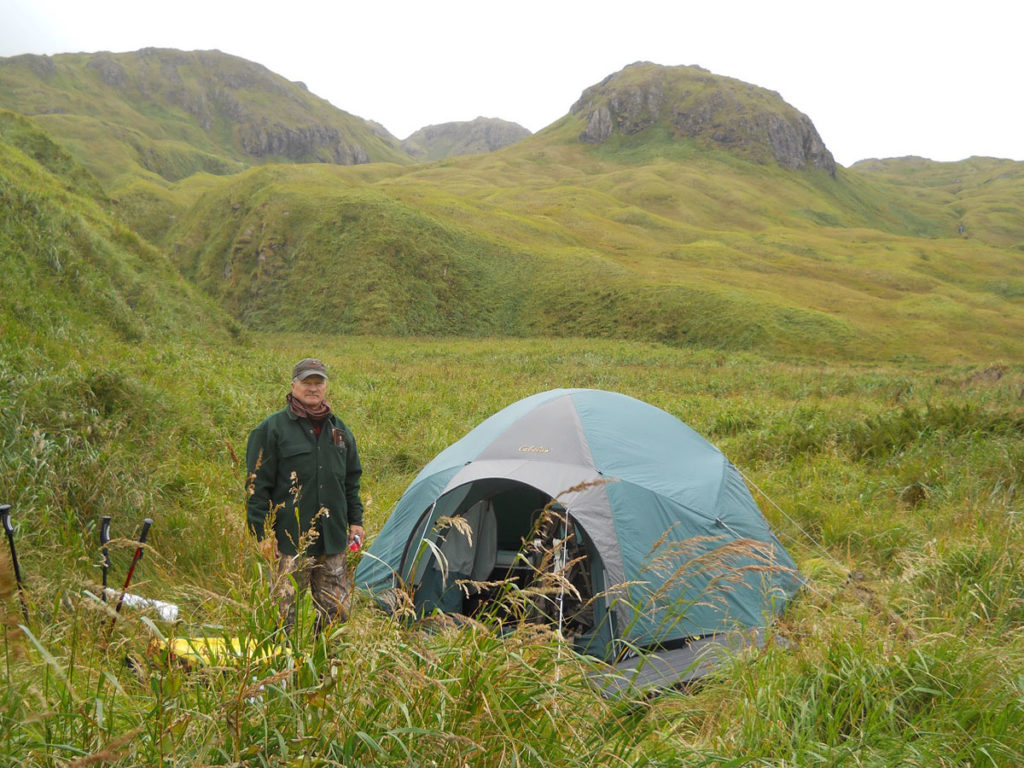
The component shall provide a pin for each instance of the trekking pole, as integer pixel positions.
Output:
(131, 570)
(104, 538)
(5, 513)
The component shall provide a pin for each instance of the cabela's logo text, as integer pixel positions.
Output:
(533, 449)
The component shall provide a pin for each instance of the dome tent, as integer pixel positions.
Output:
(678, 557)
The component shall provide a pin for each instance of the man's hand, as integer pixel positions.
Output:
(267, 547)
(355, 531)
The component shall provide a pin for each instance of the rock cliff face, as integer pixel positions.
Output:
(694, 104)
(436, 142)
(321, 142)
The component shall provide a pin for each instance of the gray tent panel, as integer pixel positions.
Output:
(678, 667)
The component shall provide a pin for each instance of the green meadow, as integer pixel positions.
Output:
(895, 487)
(853, 355)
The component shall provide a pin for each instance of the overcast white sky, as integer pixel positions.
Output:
(933, 78)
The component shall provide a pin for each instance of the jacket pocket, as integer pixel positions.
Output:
(294, 449)
(295, 467)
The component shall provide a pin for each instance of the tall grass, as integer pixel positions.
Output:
(904, 649)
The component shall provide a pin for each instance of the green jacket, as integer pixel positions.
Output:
(288, 465)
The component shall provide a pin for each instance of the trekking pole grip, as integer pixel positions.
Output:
(104, 539)
(145, 529)
(5, 513)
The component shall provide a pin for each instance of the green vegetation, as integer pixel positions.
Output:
(855, 356)
(71, 268)
(895, 487)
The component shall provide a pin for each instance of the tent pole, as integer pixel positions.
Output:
(561, 576)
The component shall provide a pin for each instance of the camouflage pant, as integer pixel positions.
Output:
(329, 583)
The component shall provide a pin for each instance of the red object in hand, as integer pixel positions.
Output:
(355, 544)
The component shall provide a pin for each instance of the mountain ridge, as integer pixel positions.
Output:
(210, 102)
(216, 104)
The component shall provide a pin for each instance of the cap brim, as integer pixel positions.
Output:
(305, 374)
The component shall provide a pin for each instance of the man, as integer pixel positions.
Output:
(303, 481)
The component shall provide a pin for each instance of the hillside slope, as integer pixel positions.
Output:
(98, 415)
(489, 246)
(303, 248)
(650, 233)
(143, 121)
(984, 194)
(73, 273)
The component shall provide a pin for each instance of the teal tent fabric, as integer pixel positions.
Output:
(683, 549)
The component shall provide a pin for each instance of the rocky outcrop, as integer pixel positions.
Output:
(109, 69)
(693, 104)
(436, 142)
(227, 87)
(319, 142)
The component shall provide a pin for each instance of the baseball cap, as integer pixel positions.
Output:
(307, 367)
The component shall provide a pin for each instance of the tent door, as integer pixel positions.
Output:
(522, 584)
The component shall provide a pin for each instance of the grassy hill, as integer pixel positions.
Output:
(141, 121)
(984, 194)
(694, 105)
(668, 204)
(174, 113)
(552, 237)
(72, 268)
